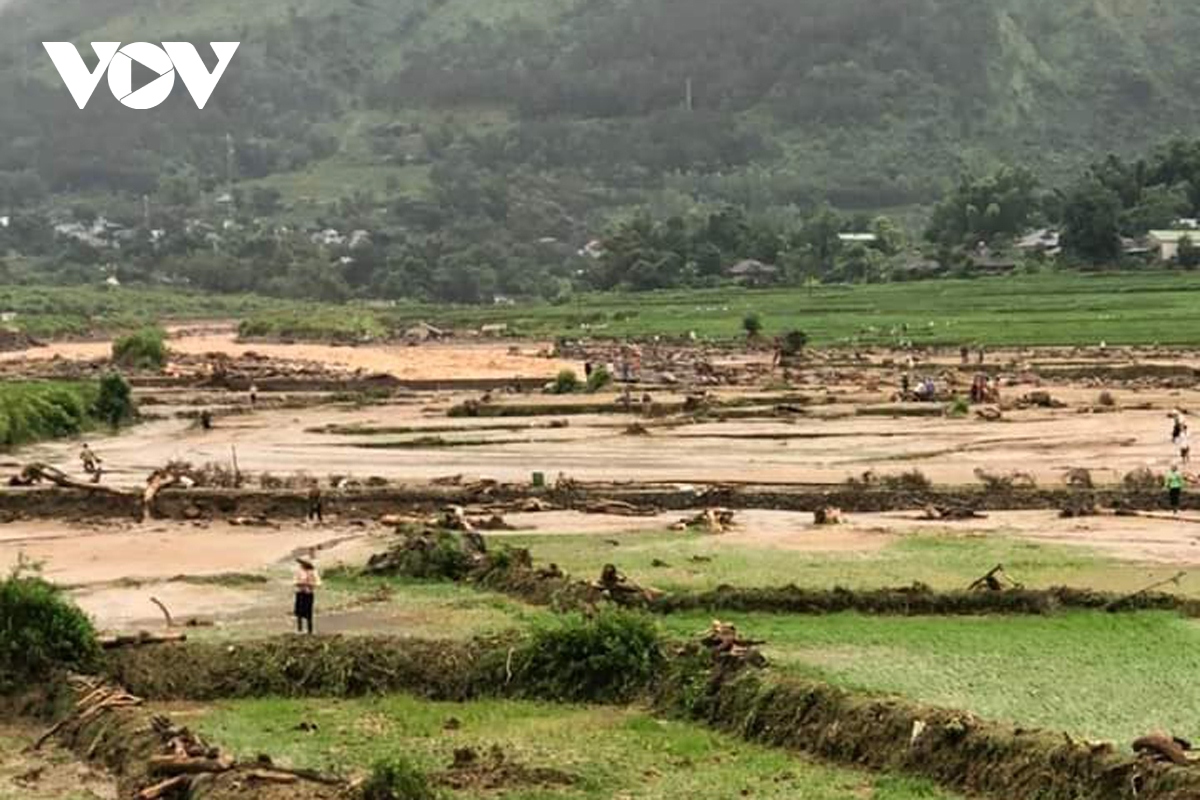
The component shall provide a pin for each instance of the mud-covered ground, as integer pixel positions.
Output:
(823, 422)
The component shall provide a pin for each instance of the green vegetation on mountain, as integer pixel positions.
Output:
(478, 145)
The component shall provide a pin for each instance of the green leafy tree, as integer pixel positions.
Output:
(114, 402)
(1091, 223)
(1004, 203)
(143, 349)
(1188, 256)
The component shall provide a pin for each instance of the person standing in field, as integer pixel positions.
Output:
(91, 463)
(1184, 442)
(316, 505)
(1174, 485)
(306, 580)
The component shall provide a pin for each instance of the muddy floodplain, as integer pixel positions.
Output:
(463, 413)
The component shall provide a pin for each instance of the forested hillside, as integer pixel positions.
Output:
(481, 143)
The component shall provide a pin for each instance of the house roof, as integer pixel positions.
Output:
(1174, 236)
(752, 267)
(858, 237)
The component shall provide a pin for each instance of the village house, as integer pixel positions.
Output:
(753, 273)
(1165, 244)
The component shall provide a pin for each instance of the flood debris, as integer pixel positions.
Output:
(1039, 399)
(711, 520)
(994, 580)
(829, 515)
(726, 645)
(37, 472)
(157, 759)
(1003, 482)
(1164, 748)
(617, 508)
(951, 513)
(614, 585)
(494, 769)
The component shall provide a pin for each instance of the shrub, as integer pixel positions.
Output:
(1141, 479)
(958, 408)
(425, 556)
(609, 658)
(752, 325)
(31, 411)
(397, 779)
(599, 378)
(566, 382)
(794, 342)
(1106, 399)
(144, 349)
(912, 481)
(114, 404)
(40, 630)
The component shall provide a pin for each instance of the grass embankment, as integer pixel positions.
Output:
(1102, 675)
(34, 411)
(944, 562)
(1096, 675)
(610, 752)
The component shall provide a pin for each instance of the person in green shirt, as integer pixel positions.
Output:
(1174, 484)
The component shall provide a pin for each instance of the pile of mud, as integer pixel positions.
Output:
(495, 770)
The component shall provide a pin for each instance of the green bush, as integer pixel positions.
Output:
(437, 557)
(40, 630)
(752, 325)
(32, 411)
(114, 404)
(145, 349)
(397, 779)
(612, 657)
(599, 378)
(566, 382)
(959, 407)
(794, 342)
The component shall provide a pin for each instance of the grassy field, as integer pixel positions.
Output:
(1092, 674)
(65, 311)
(1050, 309)
(621, 753)
(701, 561)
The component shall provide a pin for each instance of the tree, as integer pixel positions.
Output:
(1002, 204)
(1188, 256)
(1091, 223)
(114, 403)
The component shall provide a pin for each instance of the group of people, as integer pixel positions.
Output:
(1175, 481)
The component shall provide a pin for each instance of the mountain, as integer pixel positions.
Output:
(544, 118)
